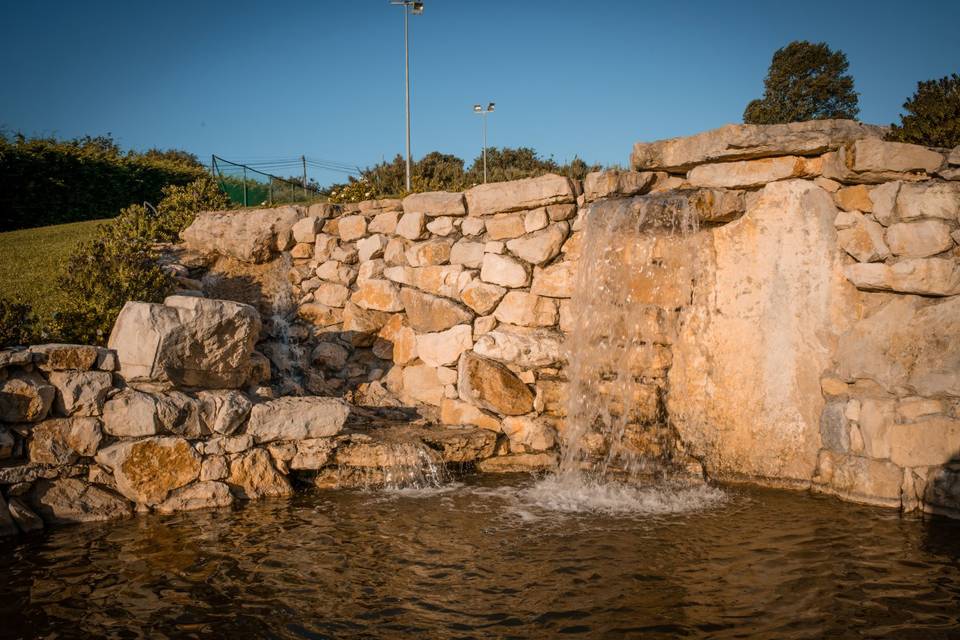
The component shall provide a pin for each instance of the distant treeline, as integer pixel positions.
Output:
(46, 181)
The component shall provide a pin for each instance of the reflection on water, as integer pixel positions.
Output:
(489, 559)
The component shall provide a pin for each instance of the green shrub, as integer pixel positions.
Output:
(933, 114)
(17, 324)
(121, 262)
(806, 81)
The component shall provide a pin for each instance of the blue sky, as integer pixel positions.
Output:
(257, 80)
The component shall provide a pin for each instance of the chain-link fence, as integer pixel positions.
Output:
(248, 187)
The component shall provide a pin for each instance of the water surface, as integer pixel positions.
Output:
(493, 558)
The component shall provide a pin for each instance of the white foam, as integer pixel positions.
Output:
(577, 494)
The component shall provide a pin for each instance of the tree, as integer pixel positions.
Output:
(933, 114)
(805, 82)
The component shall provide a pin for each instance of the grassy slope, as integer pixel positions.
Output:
(30, 260)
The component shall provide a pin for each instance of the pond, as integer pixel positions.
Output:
(494, 557)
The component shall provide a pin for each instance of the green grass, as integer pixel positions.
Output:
(30, 261)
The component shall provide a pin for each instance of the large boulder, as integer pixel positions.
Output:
(490, 385)
(526, 349)
(249, 236)
(147, 470)
(517, 195)
(73, 500)
(81, 393)
(768, 303)
(748, 141)
(296, 418)
(186, 341)
(199, 495)
(435, 203)
(252, 476)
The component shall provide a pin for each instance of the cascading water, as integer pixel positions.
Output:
(285, 354)
(602, 467)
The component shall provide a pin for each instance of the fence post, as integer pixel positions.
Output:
(304, 160)
(244, 185)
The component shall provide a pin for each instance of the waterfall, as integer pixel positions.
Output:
(285, 354)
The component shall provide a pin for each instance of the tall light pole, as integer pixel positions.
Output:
(483, 112)
(417, 9)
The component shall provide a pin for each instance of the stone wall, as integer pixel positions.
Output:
(795, 288)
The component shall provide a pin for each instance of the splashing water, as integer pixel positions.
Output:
(611, 443)
(286, 354)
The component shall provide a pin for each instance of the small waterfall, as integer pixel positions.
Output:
(600, 462)
(392, 460)
(285, 354)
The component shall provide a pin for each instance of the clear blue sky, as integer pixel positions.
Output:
(256, 80)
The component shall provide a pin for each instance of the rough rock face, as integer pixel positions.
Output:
(528, 193)
(250, 236)
(748, 141)
(200, 495)
(186, 341)
(73, 500)
(492, 386)
(252, 476)
(25, 397)
(778, 304)
(297, 418)
(146, 471)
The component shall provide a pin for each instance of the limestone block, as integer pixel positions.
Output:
(529, 432)
(876, 155)
(430, 252)
(505, 226)
(61, 441)
(469, 254)
(252, 476)
(525, 349)
(25, 397)
(910, 409)
(352, 228)
(556, 280)
(492, 386)
(748, 141)
(199, 495)
(535, 219)
(519, 463)
(68, 500)
(504, 270)
(926, 442)
(249, 236)
(312, 454)
(928, 200)
(753, 173)
(527, 310)
(306, 229)
(427, 313)
(186, 341)
(80, 393)
(331, 294)
(603, 184)
(863, 240)
(422, 384)
(385, 222)
(67, 357)
(919, 239)
(320, 315)
(444, 347)
(516, 195)
(371, 247)
(131, 413)
(223, 411)
(411, 225)
(542, 246)
(876, 420)
(435, 203)
(324, 246)
(296, 418)
(923, 276)
(302, 251)
(362, 324)
(473, 227)
(442, 226)
(860, 479)
(337, 272)
(855, 198)
(456, 412)
(482, 297)
(378, 295)
(146, 471)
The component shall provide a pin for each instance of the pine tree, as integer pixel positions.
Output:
(933, 114)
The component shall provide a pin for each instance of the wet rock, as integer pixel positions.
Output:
(186, 341)
(919, 239)
(462, 445)
(427, 313)
(444, 347)
(81, 393)
(435, 203)
(455, 412)
(528, 350)
(223, 411)
(67, 500)
(199, 495)
(7, 526)
(27, 521)
(312, 454)
(519, 463)
(61, 441)
(924, 276)
(530, 433)
(131, 413)
(859, 479)
(504, 270)
(330, 355)
(516, 195)
(834, 429)
(25, 397)
(490, 385)
(926, 442)
(747, 141)
(147, 470)
(296, 418)
(252, 476)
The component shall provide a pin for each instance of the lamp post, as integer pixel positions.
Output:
(417, 9)
(483, 112)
